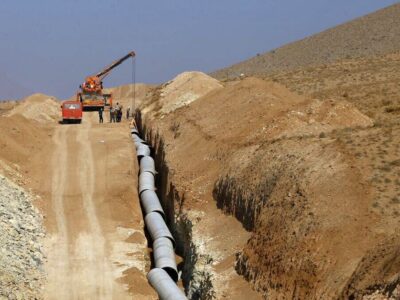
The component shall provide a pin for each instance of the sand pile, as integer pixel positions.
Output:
(38, 107)
(6, 106)
(184, 89)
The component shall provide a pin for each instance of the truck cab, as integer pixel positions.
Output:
(71, 112)
(94, 101)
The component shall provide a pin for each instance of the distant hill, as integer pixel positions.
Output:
(374, 34)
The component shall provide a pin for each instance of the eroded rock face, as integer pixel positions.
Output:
(21, 233)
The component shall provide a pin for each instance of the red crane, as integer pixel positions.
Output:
(91, 91)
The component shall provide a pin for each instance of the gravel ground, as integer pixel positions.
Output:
(21, 233)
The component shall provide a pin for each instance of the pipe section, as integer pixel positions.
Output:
(164, 276)
(150, 203)
(137, 140)
(164, 285)
(157, 228)
(146, 182)
(134, 131)
(164, 257)
(142, 150)
(147, 165)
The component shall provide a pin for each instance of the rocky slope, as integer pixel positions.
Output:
(375, 34)
(21, 236)
(25, 128)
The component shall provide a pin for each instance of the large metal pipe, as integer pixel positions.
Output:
(146, 182)
(134, 131)
(164, 257)
(142, 150)
(137, 140)
(157, 228)
(147, 165)
(164, 285)
(139, 143)
(150, 202)
(165, 274)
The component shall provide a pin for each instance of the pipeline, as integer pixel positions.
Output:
(164, 276)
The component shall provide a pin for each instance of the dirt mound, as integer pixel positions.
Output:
(184, 89)
(254, 110)
(233, 145)
(375, 34)
(6, 106)
(38, 107)
(21, 141)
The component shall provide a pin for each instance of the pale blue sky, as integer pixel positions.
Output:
(50, 46)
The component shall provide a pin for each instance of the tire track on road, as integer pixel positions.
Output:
(60, 262)
(100, 272)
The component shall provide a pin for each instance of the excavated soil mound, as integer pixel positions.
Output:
(267, 156)
(184, 89)
(38, 107)
(6, 106)
(254, 110)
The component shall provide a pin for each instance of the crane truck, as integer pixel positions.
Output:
(91, 96)
(91, 91)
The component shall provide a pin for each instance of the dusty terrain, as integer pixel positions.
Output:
(93, 192)
(84, 179)
(282, 183)
(275, 160)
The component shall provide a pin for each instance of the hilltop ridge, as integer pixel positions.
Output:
(377, 33)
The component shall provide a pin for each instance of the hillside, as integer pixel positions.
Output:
(374, 34)
(289, 169)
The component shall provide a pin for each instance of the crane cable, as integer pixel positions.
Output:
(133, 85)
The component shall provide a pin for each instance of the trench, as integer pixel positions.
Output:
(197, 283)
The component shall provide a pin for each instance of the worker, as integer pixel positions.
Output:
(101, 115)
(120, 113)
(118, 109)
(112, 114)
(128, 110)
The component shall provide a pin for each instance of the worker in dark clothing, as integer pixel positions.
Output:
(112, 114)
(128, 110)
(101, 115)
(118, 112)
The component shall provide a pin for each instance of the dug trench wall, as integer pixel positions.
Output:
(196, 282)
(278, 164)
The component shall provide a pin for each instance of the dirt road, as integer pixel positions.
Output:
(96, 249)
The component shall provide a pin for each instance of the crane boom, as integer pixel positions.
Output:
(103, 73)
(91, 95)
